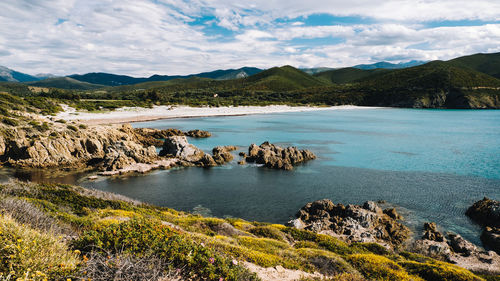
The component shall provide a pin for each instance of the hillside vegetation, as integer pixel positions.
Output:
(467, 82)
(54, 231)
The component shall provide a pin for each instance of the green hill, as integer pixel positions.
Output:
(436, 74)
(485, 63)
(349, 74)
(283, 78)
(65, 83)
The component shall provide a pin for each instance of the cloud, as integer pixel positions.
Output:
(142, 37)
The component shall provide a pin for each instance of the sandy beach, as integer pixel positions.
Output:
(138, 114)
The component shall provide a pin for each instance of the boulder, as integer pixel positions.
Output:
(275, 157)
(222, 155)
(455, 249)
(491, 238)
(485, 212)
(198, 134)
(352, 223)
(431, 232)
(178, 146)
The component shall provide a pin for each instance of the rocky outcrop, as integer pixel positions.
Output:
(431, 232)
(491, 238)
(487, 213)
(178, 147)
(275, 157)
(155, 137)
(198, 134)
(108, 147)
(455, 249)
(352, 223)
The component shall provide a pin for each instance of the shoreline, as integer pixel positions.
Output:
(138, 114)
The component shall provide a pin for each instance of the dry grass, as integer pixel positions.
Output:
(122, 266)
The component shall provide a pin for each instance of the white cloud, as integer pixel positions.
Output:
(142, 37)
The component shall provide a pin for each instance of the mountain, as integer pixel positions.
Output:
(65, 83)
(388, 65)
(42, 76)
(7, 74)
(349, 74)
(283, 78)
(119, 80)
(312, 71)
(485, 63)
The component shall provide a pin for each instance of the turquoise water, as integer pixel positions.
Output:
(431, 164)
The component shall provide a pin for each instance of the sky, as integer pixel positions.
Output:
(168, 37)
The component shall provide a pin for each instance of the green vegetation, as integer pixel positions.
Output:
(466, 82)
(60, 231)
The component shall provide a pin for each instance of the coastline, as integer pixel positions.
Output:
(137, 114)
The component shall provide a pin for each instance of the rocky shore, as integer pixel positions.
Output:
(486, 212)
(353, 223)
(369, 223)
(120, 149)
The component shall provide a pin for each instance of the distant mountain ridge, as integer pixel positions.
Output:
(120, 80)
(388, 65)
(9, 75)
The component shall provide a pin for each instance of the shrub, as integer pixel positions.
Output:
(10, 121)
(25, 250)
(268, 232)
(26, 213)
(376, 267)
(124, 266)
(82, 126)
(142, 238)
(61, 121)
(72, 127)
(439, 271)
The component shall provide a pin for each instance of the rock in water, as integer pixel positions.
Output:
(178, 146)
(455, 249)
(486, 212)
(491, 238)
(352, 223)
(222, 155)
(198, 134)
(275, 157)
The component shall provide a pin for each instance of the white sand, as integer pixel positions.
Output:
(135, 114)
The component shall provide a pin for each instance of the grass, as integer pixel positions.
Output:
(99, 235)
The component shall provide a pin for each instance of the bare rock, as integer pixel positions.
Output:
(391, 212)
(431, 232)
(353, 223)
(207, 161)
(222, 154)
(491, 238)
(455, 249)
(198, 134)
(485, 212)
(178, 146)
(275, 157)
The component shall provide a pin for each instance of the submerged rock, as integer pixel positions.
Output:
(352, 223)
(275, 157)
